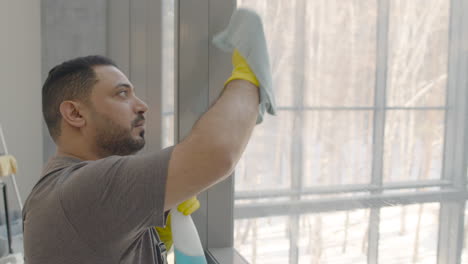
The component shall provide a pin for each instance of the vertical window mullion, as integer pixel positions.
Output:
(452, 76)
(192, 42)
(379, 124)
(451, 219)
(298, 129)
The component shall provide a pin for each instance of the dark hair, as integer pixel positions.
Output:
(71, 80)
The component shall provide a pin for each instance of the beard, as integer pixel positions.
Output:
(114, 139)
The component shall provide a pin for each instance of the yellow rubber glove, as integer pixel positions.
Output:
(241, 70)
(186, 208)
(189, 206)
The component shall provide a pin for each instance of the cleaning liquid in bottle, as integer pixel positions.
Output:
(187, 245)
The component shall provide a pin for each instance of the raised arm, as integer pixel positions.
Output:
(215, 144)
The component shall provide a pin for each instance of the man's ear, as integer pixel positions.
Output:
(71, 113)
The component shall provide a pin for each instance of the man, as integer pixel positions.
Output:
(96, 201)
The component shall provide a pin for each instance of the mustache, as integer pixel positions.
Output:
(138, 120)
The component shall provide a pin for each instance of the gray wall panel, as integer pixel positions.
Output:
(70, 29)
(20, 107)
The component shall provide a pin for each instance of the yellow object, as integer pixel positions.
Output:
(189, 206)
(241, 70)
(8, 165)
(186, 208)
(165, 233)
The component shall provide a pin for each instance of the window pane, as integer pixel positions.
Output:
(337, 147)
(408, 234)
(263, 240)
(323, 54)
(464, 258)
(332, 147)
(266, 162)
(326, 48)
(413, 145)
(168, 129)
(338, 237)
(168, 73)
(418, 52)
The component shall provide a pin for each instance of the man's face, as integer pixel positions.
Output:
(116, 116)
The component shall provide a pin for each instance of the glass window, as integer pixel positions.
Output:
(413, 145)
(408, 234)
(333, 155)
(342, 133)
(168, 73)
(168, 81)
(418, 52)
(263, 240)
(336, 237)
(465, 242)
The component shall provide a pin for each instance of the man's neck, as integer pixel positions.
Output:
(82, 155)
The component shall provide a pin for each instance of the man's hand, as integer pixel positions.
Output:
(241, 70)
(245, 35)
(189, 206)
(186, 208)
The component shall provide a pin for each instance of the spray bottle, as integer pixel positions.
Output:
(187, 245)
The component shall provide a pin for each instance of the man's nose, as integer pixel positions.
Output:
(141, 107)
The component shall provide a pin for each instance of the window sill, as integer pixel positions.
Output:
(224, 256)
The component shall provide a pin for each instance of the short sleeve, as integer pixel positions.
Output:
(115, 198)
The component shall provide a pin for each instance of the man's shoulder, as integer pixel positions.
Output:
(51, 173)
(57, 163)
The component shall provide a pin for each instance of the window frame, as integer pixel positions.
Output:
(197, 23)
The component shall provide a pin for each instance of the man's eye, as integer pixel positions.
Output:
(123, 93)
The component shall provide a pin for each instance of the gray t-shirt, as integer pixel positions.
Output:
(97, 212)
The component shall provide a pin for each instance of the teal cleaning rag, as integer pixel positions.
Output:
(245, 33)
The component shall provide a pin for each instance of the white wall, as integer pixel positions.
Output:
(20, 90)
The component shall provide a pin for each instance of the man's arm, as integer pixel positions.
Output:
(215, 144)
